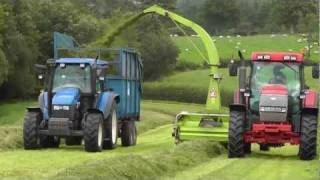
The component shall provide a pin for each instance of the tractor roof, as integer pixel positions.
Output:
(277, 56)
(80, 61)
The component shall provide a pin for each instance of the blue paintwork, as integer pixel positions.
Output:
(66, 96)
(80, 60)
(104, 102)
(43, 101)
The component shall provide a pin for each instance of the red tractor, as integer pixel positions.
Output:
(273, 105)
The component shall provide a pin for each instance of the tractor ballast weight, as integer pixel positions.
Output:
(86, 99)
(212, 124)
(275, 107)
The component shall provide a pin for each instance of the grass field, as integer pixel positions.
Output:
(227, 47)
(154, 157)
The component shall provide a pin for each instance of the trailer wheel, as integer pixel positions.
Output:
(73, 141)
(31, 138)
(128, 133)
(236, 145)
(308, 139)
(264, 147)
(93, 132)
(111, 129)
(49, 141)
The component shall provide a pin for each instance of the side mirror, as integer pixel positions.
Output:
(315, 71)
(101, 72)
(233, 68)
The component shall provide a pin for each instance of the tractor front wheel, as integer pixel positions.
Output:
(308, 138)
(128, 133)
(93, 132)
(236, 145)
(31, 138)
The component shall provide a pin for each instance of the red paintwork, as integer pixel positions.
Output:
(274, 89)
(311, 99)
(277, 56)
(272, 133)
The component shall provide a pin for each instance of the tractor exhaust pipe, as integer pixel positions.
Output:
(242, 77)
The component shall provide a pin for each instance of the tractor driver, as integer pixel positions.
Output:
(278, 76)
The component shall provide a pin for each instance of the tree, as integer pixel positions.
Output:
(220, 15)
(288, 12)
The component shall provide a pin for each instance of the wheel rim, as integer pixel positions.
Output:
(100, 135)
(114, 127)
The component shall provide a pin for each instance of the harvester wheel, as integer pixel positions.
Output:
(264, 147)
(111, 129)
(49, 141)
(31, 130)
(236, 145)
(73, 141)
(247, 148)
(308, 139)
(128, 133)
(93, 132)
(176, 135)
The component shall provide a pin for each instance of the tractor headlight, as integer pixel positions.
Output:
(273, 109)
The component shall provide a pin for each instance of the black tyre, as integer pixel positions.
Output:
(49, 141)
(308, 137)
(176, 135)
(73, 141)
(111, 129)
(31, 138)
(128, 133)
(247, 148)
(236, 128)
(264, 147)
(93, 132)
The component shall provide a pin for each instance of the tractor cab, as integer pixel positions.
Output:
(273, 105)
(279, 73)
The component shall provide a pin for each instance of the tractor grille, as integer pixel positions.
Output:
(273, 107)
(70, 112)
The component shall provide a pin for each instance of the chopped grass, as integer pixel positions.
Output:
(165, 163)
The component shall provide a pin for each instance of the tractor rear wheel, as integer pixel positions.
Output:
(93, 132)
(111, 129)
(308, 138)
(31, 130)
(49, 141)
(73, 141)
(128, 133)
(236, 145)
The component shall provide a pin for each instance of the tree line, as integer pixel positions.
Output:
(26, 28)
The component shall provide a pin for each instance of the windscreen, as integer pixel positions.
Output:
(274, 73)
(72, 75)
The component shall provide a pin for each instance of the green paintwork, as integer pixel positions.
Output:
(189, 124)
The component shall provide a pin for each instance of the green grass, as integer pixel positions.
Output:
(227, 46)
(11, 112)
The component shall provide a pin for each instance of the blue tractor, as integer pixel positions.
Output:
(88, 101)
